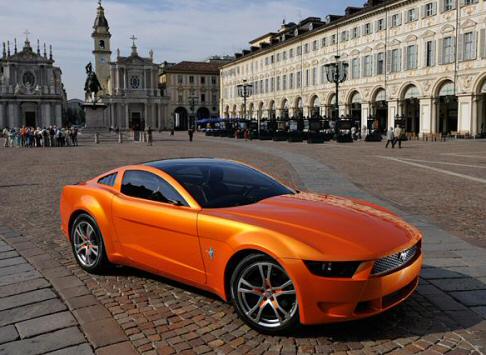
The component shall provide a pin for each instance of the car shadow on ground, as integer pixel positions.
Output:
(417, 316)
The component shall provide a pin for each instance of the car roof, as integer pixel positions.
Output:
(172, 163)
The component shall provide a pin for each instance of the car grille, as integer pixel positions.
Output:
(396, 261)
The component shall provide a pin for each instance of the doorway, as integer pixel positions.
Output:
(30, 120)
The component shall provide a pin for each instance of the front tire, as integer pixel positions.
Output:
(264, 295)
(87, 244)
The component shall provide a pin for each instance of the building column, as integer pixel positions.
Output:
(3, 122)
(58, 115)
(127, 117)
(365, 112)
(392, 111)
(465, 113)
(427, 108)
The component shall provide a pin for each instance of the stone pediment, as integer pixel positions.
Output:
(411, 38)
(134, 60)
(380, 45)
(354, 52)
(447, 28)
(366, 50)
(469, 23)
(395, 42)
(428, 33)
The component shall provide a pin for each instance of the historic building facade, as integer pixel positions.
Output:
(130, 84)
(31, 90)
(193, 90)
(420, 60)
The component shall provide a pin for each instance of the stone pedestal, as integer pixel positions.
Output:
(94, 114)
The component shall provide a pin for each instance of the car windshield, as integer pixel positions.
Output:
(218, 184)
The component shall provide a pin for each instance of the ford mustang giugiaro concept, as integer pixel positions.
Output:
(281, 256)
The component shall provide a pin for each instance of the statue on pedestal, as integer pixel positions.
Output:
(92, 85)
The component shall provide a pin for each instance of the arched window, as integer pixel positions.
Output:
(411, 93)
(447, 89)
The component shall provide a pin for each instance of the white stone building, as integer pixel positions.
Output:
(31, 90)
(423, 60)
(130, 84)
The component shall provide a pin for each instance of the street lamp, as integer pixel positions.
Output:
(245, 91)
(193, 100)
(337, 73)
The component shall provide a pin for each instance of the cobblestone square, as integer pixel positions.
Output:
(45, 297)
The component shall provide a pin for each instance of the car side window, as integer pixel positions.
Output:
(108, 180)
(148, 186)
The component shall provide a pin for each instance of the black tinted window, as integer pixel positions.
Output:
(108, 180)
(224, 184)
(148, 186)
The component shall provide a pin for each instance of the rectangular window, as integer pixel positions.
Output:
(284, 82)
(430, 9)
(412, 15)
(180, 99)
(355, 33)
(291, 53)
(323, 74)
(355, 68)
(191, 79)
(411, 57)
(179, 79)
(307, 77)
(278, 83)
(266, 85)
(396, 20)
(299, 50)
(272, 59)
(395, 61)
(448, 5)
(314, 76)
(448, 50)
(203, 97)
(323, 42)
(367, 68)
(203, 80)
(215, 99)
(214, 80)
(380, 63)
(291, 81)
(278, 57)
(306, 48)
(380, 25)
(344, 36)
(272, 84)
(429, 54)
(469, 46)
(299, 79)
(284, 55)
(314, 45)
(333, 39)
(367, 29)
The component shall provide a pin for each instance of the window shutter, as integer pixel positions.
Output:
(399, 59)
(441, 51)
(406, 16)
(423, 11)
(461, 3)
(390, 21)
(433, 53)
(399, 19)
(482, 43)
(460, 48)
(405, 58)
(454, 4)
(416, 56)
(425, 55)
(388, 61)
(375, 64)
(434, 8)
(442, 6)
(363, 73)
(474, 45)
(454, 48)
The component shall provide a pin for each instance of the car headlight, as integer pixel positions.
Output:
(333, 268)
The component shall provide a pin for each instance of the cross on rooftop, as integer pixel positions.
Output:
(133, 38)
(27, 33)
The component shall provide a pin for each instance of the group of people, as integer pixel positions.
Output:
(394, 136)
(30, 137)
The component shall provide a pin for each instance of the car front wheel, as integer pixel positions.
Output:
(87, 244)
(264, 295)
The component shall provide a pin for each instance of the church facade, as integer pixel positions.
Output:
(130, 84)
(31, 89)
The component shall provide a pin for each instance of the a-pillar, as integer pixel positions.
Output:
(365, 112)
(465, 114)
(427, 111)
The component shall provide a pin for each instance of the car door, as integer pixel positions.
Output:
(156, 227)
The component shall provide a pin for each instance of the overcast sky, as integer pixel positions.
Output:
(175, 29)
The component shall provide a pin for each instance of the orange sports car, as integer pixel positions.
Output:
(281, 256)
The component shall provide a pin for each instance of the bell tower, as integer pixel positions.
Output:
(102, 51)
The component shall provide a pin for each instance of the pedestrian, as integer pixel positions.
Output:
(191, 134)
(390, 138)
(149, 135)
(246, 134)
(74, 136)
(6, 136)
(398, 136)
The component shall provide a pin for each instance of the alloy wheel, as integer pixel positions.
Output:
(86, 244)
(266, 295)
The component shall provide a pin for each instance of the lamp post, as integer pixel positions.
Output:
(337, 73)
(193, 99)
(245, 91)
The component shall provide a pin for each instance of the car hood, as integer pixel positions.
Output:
(333, 226)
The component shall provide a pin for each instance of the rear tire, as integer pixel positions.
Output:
(87, 244)
(264, 296)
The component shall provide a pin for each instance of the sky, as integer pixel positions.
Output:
(175, 29)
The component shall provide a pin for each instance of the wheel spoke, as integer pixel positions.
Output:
(281, 287)
(260, 310)
(89, 231)
(262, 274)
(94, 250)
(246, 283)
(269, 271)
(275, 310)
(252, 291)
(79, 232)
(287, 292)
(280, 308)
(257, 305)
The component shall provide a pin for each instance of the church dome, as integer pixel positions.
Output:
(100, 20)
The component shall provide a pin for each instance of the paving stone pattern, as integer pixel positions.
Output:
(127, 309)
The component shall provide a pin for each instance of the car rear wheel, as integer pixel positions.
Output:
(87, 244)
(264, 295)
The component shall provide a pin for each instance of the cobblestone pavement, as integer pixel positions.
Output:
(130, 308)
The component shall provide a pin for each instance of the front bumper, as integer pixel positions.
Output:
(329, 300)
